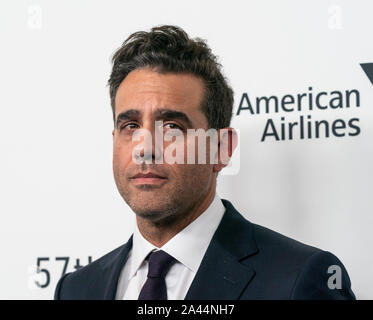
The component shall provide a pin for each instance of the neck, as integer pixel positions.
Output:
(158, 233)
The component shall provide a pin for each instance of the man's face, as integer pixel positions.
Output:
(144, 97)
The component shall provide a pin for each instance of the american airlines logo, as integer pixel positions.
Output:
(305, 103)
(368, 69)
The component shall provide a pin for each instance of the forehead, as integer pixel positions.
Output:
(147, 91)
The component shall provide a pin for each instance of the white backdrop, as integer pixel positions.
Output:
(58, 197)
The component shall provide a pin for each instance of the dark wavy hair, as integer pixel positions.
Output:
(168, 49)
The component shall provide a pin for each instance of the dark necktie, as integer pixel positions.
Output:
(155, 286)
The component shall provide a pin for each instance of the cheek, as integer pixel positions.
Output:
(122, 156)
(199, 151)
(193, 175)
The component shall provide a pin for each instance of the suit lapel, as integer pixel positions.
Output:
(111, 271)
(221, 274)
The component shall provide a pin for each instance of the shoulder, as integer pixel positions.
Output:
(279, 245)
(266, 241)
(88, 282)
(295, 269)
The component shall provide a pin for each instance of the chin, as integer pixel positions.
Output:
(152, 211)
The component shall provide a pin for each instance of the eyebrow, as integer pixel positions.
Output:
(169, 114)
(163, 114)
(126, 115)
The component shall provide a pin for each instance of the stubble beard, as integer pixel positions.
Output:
(166, 205)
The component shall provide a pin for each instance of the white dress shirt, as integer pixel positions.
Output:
(188, 247)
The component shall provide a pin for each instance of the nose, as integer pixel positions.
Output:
(150, 150)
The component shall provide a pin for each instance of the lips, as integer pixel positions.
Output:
(148, 175)
(149, 179)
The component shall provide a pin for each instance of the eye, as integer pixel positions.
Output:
(172, 125)
(129, 126)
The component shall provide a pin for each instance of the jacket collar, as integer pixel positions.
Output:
(221, 275)
(111, 270)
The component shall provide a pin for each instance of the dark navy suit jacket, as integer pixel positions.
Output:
(243, 261)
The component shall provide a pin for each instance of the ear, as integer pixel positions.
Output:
(228, 141)
(112, 133)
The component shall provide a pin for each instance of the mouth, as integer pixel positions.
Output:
(149, 178)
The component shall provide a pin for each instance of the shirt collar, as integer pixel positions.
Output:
(189, 245)
(140, 249)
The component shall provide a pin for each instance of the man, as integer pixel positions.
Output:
(188, 243)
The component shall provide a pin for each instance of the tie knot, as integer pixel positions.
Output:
(159, 264)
